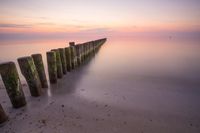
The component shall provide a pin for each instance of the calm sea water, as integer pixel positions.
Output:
(147, 74)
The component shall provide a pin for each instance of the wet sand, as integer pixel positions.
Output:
(103, 98)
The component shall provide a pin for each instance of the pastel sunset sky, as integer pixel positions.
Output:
(99, 16)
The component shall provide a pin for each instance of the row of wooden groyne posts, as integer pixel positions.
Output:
(59, 61)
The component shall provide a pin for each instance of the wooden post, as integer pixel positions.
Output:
(93, 47)
(30, 73)
(73, 56)
(63, 60)
(37, 58)
(89, 47)
(68, 58)
(81, 52)
(78, 54)
(71, 43)
(52, 67)
(87, 50)
(3, 116)
(12, 83)
(84, 51)
(58, 63)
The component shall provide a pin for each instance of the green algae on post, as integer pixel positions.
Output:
(52, 67)
(58, 63)
(3, 116)
(12, 84)
(81, 52)
(63, 60)
(73, 56)
(37, 58)
(30, 73)
(68, 58)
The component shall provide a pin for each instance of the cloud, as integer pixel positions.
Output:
(74, 26)
(45, 18)
(97, 30)
(45, 23)
(15, 26)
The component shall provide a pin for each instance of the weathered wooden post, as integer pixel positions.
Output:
(81, 52)
(78, 54)
(12, 84)
(93, 47)
(30, 73)
(71, 43)
(89, 45)
(58, 63)
(87, 50)
(84, 51)
(52, 67)
(3, 116)
(37, 58)
(68, 58)
(73, 56)
(63, 60)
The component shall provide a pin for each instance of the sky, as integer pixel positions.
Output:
(93, 17)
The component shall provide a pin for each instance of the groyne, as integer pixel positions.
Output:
(60, 61)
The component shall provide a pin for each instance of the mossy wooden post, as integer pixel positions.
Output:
(30, 73)
(93, 47)
(3, 116)
(93, 43)
(68, 58)
(78, 55)
(58, 63)
(52, 67)
(63, 60)
(89, 45)
(72, 49)
(12, 84)
(81, 52)
(73, 54)
(37, 58)
(84, 51)
(88, 49)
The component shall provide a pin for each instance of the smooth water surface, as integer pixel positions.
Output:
(154, 78)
